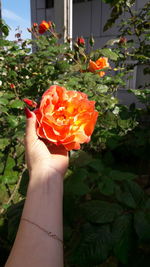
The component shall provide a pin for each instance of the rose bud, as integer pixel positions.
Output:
(35, 25)
(80, 41)
(91, 41)
(122, 40)
(12, 86)
(30, 103)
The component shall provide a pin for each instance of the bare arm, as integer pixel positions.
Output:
(43, 205)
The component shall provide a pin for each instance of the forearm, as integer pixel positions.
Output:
(43, 206)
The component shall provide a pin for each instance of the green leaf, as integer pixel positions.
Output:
(96, 165)
(142, 224)
(122, 236)
(94, 246)
(5, 30)
(107, 52)
(3, 101)
(16, 104)
(119, 176)
(12, 120)
(106, 186)
(10, 176)
(75, 184)
(130, 194)
(24, 183)
(14, 214)
(3, 143)
(97, 211)
(80, 158)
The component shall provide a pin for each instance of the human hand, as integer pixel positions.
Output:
(40, 156)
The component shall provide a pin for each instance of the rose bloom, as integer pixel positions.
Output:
(99, 64)
(44, 26)
(65, 117)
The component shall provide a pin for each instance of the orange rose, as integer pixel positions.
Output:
(65, 117)
(44, 26)
(99, 64)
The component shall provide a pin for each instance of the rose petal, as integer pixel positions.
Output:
(71, 146)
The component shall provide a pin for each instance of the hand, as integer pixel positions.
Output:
(42, 157)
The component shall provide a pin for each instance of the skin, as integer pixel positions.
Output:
(43, 206)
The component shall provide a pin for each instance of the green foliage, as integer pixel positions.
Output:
(106, 188)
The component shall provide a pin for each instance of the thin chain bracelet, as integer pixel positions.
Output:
(44, 230)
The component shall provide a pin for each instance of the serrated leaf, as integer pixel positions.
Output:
(3, 143)
(106, 186)
(94, 246)
(3, 101)
(96, 165)
(107, 52)
(80, 158)
(97, 211)
(12, 120)
(10, 177)
(119, 176)
(16, 104)
(130, 194)
(122, 237)
(75, 184)
(142, 224)
(24, 183)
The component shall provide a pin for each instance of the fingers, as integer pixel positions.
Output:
(31, 135)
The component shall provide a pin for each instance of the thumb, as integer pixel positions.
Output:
(31, 135)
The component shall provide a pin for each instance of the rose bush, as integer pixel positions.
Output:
(65, 117)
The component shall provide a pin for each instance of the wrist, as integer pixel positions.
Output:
(41, 178)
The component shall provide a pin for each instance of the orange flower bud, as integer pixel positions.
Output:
(35, 25)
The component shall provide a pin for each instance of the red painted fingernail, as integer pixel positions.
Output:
(27, 112)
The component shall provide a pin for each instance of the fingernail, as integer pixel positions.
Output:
(27, 112)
